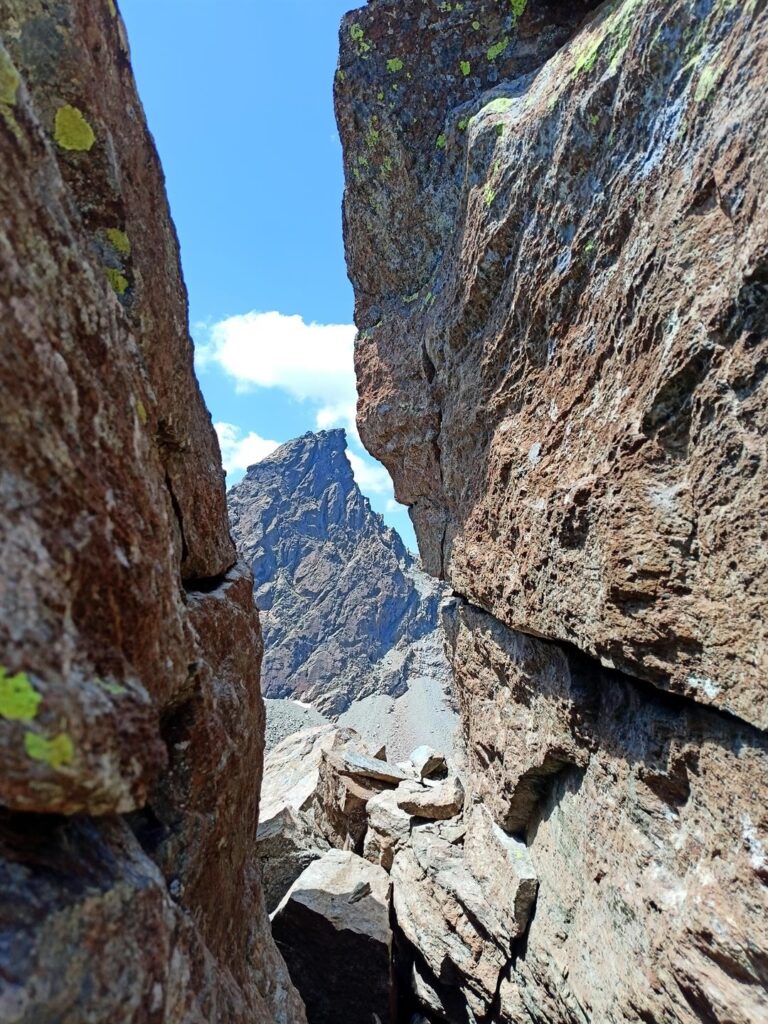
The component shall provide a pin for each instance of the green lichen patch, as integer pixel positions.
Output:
(118, 281)
(442, 141)
(489, 195)
(116, 689)
(498, 106)
(463, 123)
(358, 37)
(707, 81)
(57, 753)
(19, 700)
(586, 57)
(72, 131)
(119, 241)
(141, 412)
(394, 64)
(518, 7)
(112, 8)
(9, 81)
(466, 67)
(498, 49)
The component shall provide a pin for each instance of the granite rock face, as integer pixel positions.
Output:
(131, 719)
(559, 258)
(556, 227)
(348, 615)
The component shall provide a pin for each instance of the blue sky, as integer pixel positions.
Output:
(238, 94)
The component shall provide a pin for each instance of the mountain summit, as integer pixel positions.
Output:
(350, 620)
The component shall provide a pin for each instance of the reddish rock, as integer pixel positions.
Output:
(646, 824)
(560, 264)
(557, 231)
(129, 644)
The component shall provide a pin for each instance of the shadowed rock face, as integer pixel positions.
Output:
(560, 262)
(555, 222)
(131, 720)
(346, 611)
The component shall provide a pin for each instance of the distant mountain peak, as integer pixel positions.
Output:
(346, 610)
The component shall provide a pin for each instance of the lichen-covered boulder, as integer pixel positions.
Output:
(557, 229)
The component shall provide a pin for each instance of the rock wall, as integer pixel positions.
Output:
(556, 228)
(131, 720)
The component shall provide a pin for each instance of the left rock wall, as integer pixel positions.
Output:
(131, 721)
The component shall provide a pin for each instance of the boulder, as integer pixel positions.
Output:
(352, 762)
(340, 803)
(286, 844)
(428, 763)
(131, 717)
(333, 930)
(292, 768)
(503, 866)
(389, 827)
(290, 834)
(437, 802)
(462, 924)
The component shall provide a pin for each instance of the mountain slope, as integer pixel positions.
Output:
(347, 612)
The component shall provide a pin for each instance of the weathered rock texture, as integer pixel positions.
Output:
(348, 615)
(333, 928)
(562, 357)
(557, 231)
(131, 720)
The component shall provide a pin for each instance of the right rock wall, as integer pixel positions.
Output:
(557, 231)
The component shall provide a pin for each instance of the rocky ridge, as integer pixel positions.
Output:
(351, 624)
(131, 719)
(556, 229)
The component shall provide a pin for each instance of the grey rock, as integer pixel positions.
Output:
(286, 844)
(504, 867)
(289, 839)
(429, 764)
(346, 610)
(334, 932)
(440, 802)
(355, 763)
(389, 827)
(463, 914)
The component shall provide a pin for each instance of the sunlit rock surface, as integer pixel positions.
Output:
(556, 227)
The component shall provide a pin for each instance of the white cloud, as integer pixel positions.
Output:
(239, 451)
(310, 362)
(371, 477)
(342, 415)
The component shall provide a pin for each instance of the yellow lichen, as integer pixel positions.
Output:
(56, 753)
(72, 131)
(118, 281)
(9, 80)
(119, 241)
(19, 700)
